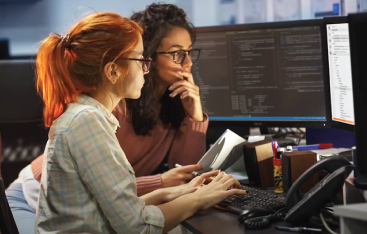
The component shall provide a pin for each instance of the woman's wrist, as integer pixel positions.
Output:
(196, 202)
(155, 197)
(202, 118)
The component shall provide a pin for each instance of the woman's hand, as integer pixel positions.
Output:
(171, 193)
(180, 175)
(163, 195)
(189, 94)
(217, 190)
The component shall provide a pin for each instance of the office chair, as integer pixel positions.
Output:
(7, 223)
(21, 124)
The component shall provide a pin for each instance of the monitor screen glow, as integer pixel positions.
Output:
(268, 74)
(340, 73)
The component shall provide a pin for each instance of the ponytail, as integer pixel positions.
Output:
(67, 66)
(53, 82)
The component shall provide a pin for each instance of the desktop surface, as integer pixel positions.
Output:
(217, 221)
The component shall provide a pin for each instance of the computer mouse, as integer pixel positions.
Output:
(253, 213)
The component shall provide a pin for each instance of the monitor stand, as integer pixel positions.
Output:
(361, 182)
(282, 141)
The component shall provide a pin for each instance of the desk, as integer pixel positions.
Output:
(353, 218)
(353, 215)
(216, 221)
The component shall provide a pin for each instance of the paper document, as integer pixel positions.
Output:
(227, 150)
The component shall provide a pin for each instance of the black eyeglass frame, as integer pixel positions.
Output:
(187, 53)
(149, 60)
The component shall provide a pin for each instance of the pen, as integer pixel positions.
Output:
(312, 147)
(299, 229)
(195, 173)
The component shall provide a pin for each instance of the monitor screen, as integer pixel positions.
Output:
(338, 72)
(4, 48)
(19, 99)
(267, 74)
(358, 51)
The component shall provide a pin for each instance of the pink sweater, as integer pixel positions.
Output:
(146, 153)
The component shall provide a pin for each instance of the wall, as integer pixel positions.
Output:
(25, 23)
(219, 12)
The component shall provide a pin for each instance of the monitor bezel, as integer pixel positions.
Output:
(271, 123)
(358, 49)
(326, 21)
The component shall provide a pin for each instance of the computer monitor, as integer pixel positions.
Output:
(338, 72)
(19, 99)
(262, 75)
(358, 50)
(4, 48)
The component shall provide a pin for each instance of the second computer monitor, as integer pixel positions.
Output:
(358, 49)
(267, 74)
(338, 71)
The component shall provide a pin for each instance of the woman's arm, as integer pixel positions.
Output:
(204, 197)
(164, 195)
(173, 177)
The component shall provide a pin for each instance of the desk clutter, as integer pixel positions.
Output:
(259, 158)
(294, 186)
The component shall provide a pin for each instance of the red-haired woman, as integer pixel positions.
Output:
(87, 183)
(161, 128)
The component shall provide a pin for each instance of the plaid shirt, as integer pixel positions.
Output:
(87, 184)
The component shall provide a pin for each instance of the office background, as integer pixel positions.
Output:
(26, 22)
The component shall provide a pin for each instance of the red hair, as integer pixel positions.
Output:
(69, 65)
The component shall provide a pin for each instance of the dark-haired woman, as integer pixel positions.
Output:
(166, 125)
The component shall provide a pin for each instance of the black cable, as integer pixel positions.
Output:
(264, 221)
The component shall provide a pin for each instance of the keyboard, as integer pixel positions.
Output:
(255, 197)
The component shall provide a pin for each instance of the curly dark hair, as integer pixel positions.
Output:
(157, 20)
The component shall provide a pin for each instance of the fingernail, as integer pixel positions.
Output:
(170, 88)
(179, 72)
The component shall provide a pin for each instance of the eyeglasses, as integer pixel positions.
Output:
(179, 56)
(145, 63)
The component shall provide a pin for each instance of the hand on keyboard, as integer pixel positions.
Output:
(254, 197)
